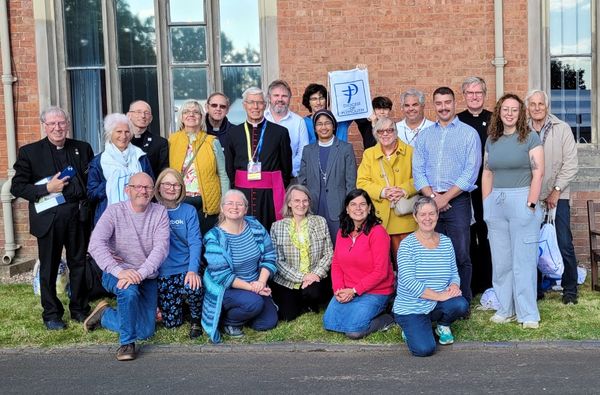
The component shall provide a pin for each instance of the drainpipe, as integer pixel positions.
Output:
(11, 147)
(499, 60)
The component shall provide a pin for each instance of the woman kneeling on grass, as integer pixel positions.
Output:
(241, 258)
(428, 284)
(178, 277)
(361, 271)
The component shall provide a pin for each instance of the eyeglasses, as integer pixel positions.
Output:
(141, 188)
(321, 124)
(471, 94)
(255, 103)
(300, 201)
(235, 204)
(52, 125)
(381, 132)
(509, 109)
(191, 112)
(169, 185)
(215, 105)
(140, 113)
(316, 99)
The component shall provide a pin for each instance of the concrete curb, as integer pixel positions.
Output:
(304, 347)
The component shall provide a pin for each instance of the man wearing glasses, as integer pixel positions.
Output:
(57, 214)
(129, 243)
(155, 146)
(474, 91)
(258, 157)
(217, 124)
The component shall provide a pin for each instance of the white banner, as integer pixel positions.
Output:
(350, 94)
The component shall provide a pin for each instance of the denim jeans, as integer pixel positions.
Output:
(135, 315)
(456, 224)
(417, 327)
(565, 245)
(356, 315)
(241, 307)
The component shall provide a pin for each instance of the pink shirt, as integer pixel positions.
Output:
(364, 264)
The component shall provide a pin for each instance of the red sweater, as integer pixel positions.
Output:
(364, 266)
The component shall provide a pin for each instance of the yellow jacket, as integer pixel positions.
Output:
(399, 173)
(205, 165)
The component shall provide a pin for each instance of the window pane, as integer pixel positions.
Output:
(240, 37)
(186, 10)
(570, 27)
(235, 81)
(88, 106)
(189, 83)
(83, 32)
(571, 94)
(136, 32)
(188, 44)
(141, 84)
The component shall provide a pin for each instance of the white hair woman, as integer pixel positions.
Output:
(110, 170)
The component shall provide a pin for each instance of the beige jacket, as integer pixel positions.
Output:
(560, 159)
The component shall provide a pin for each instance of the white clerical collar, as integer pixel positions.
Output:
(326, 143)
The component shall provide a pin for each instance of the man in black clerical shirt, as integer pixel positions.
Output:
(155, 146)
(217, 124)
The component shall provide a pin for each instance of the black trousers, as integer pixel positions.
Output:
(293, 302)
(67, 232)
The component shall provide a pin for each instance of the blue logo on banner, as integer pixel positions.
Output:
(350, 91)
(351, 99)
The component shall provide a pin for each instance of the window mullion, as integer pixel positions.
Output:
(113, 83)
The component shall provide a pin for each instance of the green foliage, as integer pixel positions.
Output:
(21, 326)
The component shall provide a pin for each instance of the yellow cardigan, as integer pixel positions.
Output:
(399, 173)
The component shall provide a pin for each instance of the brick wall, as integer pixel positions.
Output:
(25, 91)
(579, 224)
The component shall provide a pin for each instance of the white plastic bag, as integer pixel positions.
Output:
(62, 278)
(489, 300)
(550, 261)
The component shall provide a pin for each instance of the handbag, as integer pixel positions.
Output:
(404, 206)
(550, 261)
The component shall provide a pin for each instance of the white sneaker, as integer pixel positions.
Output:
(531, 325)
(500, 319)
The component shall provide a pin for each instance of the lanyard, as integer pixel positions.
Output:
(249, 142)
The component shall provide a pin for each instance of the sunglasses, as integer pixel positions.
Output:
(215, 105)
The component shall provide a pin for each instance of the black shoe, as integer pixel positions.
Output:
(195, 331)
(233, 331)
(569, 299)
(55, 325)
(93, 320)
(79, 317)
(126, 352)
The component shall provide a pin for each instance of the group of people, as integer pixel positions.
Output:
(259, 222)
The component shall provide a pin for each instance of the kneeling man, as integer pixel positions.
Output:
(129, 243)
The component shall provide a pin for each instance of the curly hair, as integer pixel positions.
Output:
(347, 224)
(311, 90)
(496, 129)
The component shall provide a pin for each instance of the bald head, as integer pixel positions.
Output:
(140, 115)
(140, 191)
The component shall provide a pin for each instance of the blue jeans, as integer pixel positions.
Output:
(417, 327)
(456, 224)
(135, 315)
(242, 307)
(565, 245)
(354, 316)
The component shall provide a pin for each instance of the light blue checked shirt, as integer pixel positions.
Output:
(448, 156)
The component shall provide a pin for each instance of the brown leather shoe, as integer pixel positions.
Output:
(126, 352)
(93, 320)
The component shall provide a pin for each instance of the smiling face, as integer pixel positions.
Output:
(299, 203)
(445, 107)
(413, 111)
(139, 190)
(121, 136)
(474, 97)
(536, 106)
(324, 128)
(217, 108)
(255, 108)
(56, 128)
(509, 114)
(191, 117)
(234, 208)
(317, 102)
(169, 188)
(426, 217)
(358, 209)
(386, 135)
(279, 100)
(140, 115)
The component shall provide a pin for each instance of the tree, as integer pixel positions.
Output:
(564, 76)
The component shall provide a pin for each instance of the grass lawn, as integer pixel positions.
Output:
(21, 325)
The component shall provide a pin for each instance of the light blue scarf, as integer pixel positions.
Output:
(118, 167)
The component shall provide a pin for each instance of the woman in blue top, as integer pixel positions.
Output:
(178, 276)
(241, 258)
(428, 288)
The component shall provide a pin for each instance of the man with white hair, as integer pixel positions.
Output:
(258, 158)
(412, 105)
(560, 169)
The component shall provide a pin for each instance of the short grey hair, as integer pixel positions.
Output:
(185, 105)
(474, 80)
(382, 123)
(214, 94)
(111, 121)
(286, 211)
(54, 110)
(422, 201)
(254, 91)
(533, 92)
(413, 92)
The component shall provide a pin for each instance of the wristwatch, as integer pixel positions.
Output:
(557, 188)
(432, 196)
(531, 205)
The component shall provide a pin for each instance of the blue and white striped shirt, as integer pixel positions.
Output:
(444, 157)
(245, 255)
(420, 268)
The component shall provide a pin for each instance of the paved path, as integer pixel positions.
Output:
(549, 368)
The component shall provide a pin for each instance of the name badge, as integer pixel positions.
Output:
(254, 169)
